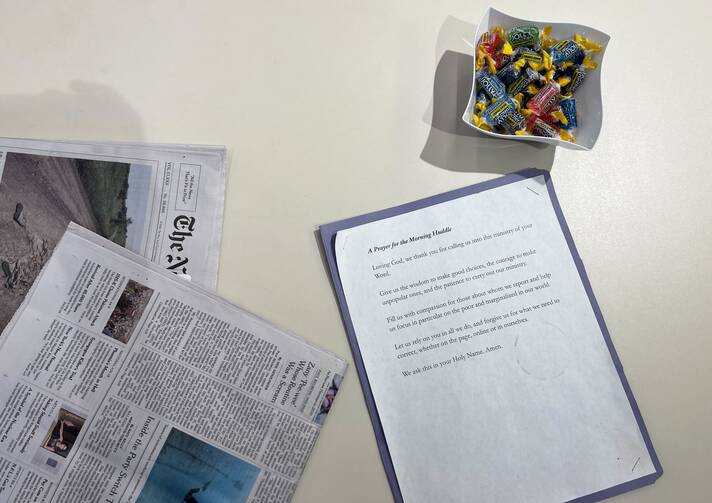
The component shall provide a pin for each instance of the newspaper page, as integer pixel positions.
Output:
(160, 201)
(120, 382)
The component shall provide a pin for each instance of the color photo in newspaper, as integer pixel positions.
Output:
(123, 383)
(162, 202)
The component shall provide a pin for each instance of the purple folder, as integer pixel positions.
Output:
(328, 236)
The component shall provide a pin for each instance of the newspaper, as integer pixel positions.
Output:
(164, 202)
(120, 382)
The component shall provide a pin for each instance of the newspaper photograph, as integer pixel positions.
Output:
(161, 202)
(120, 382)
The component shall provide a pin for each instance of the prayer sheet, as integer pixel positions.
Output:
(484, 358)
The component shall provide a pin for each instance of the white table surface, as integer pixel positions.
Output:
(327, 108)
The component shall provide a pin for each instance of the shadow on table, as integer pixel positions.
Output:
(87, 111)
(325, 262)
(452, 144)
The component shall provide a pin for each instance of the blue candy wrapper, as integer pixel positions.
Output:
(491, 85)
(504, 114)
(566, 51)
(568, 108)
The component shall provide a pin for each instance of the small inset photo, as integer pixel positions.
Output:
(128, 311)
(189, 470)
(64, 432)
(328, 399)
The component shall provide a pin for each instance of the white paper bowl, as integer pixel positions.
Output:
(588, 97)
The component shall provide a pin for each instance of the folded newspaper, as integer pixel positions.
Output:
(120, 382)
(164, 202)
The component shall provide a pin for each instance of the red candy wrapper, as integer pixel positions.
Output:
(540, 127)
(546, 99)
(491, 41)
